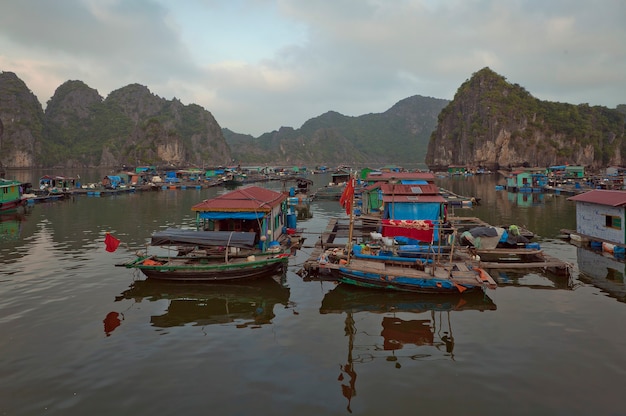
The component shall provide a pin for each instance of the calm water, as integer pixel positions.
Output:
(83, 337)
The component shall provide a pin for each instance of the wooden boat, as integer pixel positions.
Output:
(219, 250)
(437, 274)
(208, 256)
(450, 278)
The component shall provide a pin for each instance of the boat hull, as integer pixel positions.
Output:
(197, 272)
(428, 285)
(9, 205)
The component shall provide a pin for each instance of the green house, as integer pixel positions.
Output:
(574, 171)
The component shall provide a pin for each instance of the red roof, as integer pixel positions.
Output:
(399, 189)
(249, 198)
(602, 197)
(414, 198)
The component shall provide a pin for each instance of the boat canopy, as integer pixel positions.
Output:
(177, 236)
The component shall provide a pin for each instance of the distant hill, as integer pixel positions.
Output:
(490, 122)
(494, 123)
(79, 128)
(399, 135)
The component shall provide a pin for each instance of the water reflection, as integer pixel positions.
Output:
(248, 304)
(546, 280)
(11, 225)
(545, 214)
(428, 334)
(526, 199)
(603, 271)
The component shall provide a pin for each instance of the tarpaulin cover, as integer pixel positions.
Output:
(422, 230)
(408, 211)
(207, 215)
(177, 236)
(483, 237)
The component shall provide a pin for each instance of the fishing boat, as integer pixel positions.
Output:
(384, 269)
(241, 234)
(10, 194)
(206, 256)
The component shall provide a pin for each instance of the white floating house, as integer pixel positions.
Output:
(601, 215)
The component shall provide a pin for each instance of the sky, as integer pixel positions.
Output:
(259, 65)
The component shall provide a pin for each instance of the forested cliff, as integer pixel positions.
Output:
(494, 123)
(79, 128)
(490, 122)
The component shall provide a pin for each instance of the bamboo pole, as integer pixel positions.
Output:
(351, 227)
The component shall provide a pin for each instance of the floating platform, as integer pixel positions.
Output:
(335, 236)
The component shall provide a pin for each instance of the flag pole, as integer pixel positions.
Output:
(351, 227)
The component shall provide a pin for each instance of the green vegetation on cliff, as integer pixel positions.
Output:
(493, 122)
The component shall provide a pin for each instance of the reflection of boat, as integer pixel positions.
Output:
(539, 280)
(354, 299)
(246, 304)
(10, 225)
(603, 271)
(430, 334)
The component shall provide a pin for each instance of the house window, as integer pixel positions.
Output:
(612, 221)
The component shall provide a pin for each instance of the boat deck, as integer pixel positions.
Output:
(514, 258)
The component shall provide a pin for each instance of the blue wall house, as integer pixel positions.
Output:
(526, 181)
(252, 208)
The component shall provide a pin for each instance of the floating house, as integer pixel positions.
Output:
(457, 170)
(10, 194)
(412, 202)
(601, 216)
(404, 178)
(526, 181)
(372, 192)
(249, 208)
(58, 183)
(575, 171)
(112, 181)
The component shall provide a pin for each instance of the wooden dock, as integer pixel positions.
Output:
(514, 258)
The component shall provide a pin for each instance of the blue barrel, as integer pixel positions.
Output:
(291, 220)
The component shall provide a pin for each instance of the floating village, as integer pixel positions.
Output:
(401, 232)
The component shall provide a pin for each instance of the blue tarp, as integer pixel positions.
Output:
(115, 180)
(411, 211)
(230, 215)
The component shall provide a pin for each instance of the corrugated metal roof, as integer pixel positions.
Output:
(602, 197)
(246, 199)
(399, 189)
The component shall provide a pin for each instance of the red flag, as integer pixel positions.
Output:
(346, 196)
(111, 242)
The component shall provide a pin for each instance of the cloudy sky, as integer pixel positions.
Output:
(257, 65)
